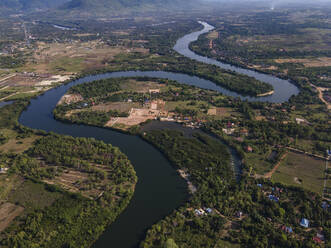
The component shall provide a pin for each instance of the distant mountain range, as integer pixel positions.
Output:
(90, 6)
(30, 5)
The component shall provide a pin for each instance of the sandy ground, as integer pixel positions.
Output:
(70, 98)
(192, 189)
(8, 212)
(139, 115)
(54, 79)
(136, 117)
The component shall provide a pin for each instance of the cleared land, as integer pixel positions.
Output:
(313, 62)
(301, 170)
(8, 212)
(15, 144)
(74, 57)
(222, 112)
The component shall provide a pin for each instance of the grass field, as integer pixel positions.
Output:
(259, 163)
(301, 170)
(15, 144)
(32, 196)
(8, 184)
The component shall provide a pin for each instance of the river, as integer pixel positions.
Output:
(159, 189)
(283, 89)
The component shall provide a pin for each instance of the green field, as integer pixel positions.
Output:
(33, 196)
(301, 170)
(259, 163)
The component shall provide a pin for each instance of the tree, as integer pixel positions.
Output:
(170, 243)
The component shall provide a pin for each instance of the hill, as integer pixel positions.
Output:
(100, 7)
(14, 6)
(90, 7)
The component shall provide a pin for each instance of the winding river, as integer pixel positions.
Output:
(283, 89)
(159, 189)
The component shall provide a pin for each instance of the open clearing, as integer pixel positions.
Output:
(73, 181)
(74, 57)
(141, 86)
(136, 116)
(301, 170)
(213, 35)
(33, 196)
(119, 106)
(311, 62)
(17, 145)
(223, 112)
(70, 98)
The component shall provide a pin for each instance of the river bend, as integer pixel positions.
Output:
(159, 189)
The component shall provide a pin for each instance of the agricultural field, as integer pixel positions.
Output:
(301, 170)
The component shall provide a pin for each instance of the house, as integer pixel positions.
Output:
(239, 214)
(154, 91)
(304, 223)
(209, 210)
(154, 105)
(325, 205)
(317, 240)
(3, 169)
(228, 131)
(287, 229)
(300, 121)
(239, 139)
(273, 198)
(249, 149)
(199, 212)
(244, 132)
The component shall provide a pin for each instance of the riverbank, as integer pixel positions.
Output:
(266, 94)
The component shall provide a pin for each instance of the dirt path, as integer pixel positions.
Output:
(5, 78)
(4, 98)
(320, 96)
(325, 178)
(270, 173)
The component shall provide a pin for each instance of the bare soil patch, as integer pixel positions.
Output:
(8, 212)
(219, 111)
(70, 98)
(73, 181)
(139, 115)
(136, 116)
